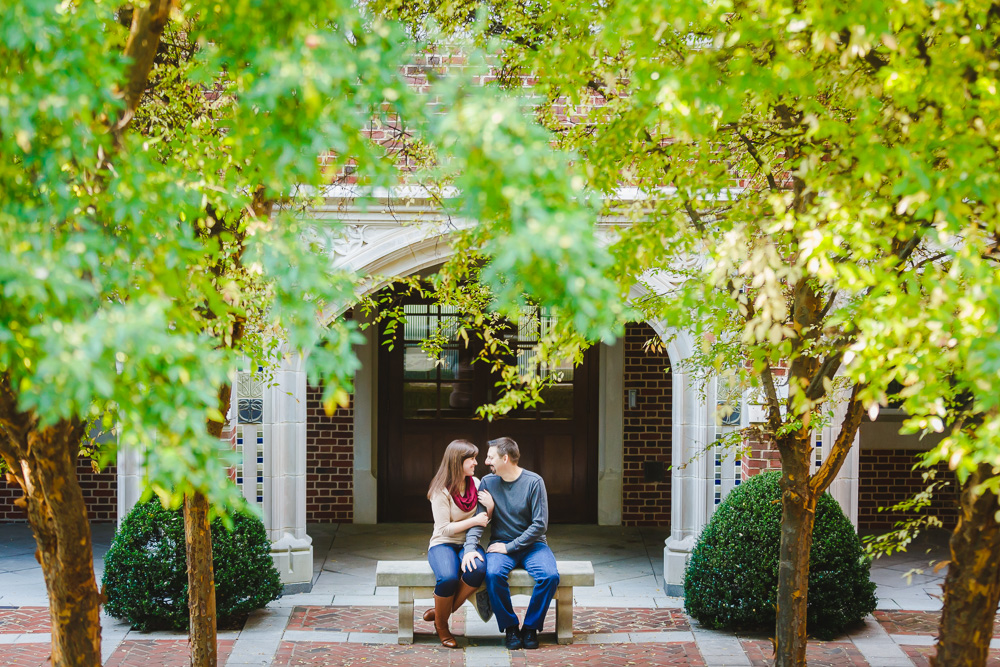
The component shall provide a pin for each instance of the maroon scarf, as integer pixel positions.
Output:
(467, 503)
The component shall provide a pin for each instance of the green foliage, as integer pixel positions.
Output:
(145, 570)
(731, 580)
(141, 260)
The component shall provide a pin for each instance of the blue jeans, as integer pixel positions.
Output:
(538, 560)
(446, 561)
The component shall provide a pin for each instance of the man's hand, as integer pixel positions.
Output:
(487, 501)
(469, 561)
(497, 548)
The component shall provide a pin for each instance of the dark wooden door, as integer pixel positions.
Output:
(425, 404)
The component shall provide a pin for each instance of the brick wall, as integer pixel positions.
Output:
(647, 430)
(886, 477)
(329, 461)
(100, 492)
(761, 456)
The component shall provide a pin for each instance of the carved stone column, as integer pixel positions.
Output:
(285, 505)
(692, 473)
(692, 479)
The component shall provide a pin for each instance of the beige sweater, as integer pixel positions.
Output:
(446, 515)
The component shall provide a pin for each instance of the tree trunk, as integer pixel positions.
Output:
(201, 576)
(972, 587)
(43, 463)
(798, 514)
(201, 581)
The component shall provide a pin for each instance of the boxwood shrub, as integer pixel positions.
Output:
(145, 570)
(731, 580)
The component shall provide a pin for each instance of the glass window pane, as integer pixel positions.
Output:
(449, 364)
(458, 400)
(417, 365)
(564, 367)
(420, 400)
(558, 402)
(415, 324)
(526, 363)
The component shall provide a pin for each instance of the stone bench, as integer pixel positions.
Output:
(416, 580)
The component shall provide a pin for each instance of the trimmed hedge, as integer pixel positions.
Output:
(145, 571)
(731, 580)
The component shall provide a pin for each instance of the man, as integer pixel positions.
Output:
(520, 519)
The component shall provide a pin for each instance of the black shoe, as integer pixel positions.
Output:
(529, 637)
(513, 640)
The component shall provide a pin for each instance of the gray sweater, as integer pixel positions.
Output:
(521, 515)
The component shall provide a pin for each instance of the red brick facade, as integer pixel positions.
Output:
(647, 431)
(329, 461)
(760, 457)
(100, 492)
(886, 477)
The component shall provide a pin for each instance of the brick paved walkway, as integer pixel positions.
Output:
(921, 656)
(915, 622)
(680, 653)
(24, 619)
(818, 654)
(356, 635)
(161, 652)
(388, 655)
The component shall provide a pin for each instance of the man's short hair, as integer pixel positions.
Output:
(506, 447)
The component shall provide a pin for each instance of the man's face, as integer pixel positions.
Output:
(492, 459)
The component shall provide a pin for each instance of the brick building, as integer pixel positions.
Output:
(625, 439)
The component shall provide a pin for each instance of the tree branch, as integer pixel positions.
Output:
(143, 42)
(841, 446)
(757, 158)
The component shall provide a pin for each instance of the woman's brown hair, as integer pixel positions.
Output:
(449, 475)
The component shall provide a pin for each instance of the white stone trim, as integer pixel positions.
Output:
(366, 429)
(611, 433)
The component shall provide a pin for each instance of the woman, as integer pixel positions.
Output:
(453, 499)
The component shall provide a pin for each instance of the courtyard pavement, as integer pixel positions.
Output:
(624, 619)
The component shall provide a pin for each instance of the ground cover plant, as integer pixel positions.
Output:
(732, 579)
(145, 571)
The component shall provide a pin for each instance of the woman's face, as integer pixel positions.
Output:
(469, 466)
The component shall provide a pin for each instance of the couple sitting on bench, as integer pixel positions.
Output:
(514, 501)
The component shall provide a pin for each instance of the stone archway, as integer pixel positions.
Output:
(400, 241)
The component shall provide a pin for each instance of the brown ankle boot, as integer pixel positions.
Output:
(442, 612)
(465, 591)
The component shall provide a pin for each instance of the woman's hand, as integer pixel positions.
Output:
(480, 519)
(487, 501)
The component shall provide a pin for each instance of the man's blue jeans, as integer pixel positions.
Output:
(538, 560)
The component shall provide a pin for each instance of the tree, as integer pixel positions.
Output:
(131, 256)
(807, 167)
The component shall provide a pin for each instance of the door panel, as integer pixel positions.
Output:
(424, 405)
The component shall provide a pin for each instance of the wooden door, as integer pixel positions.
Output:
(425, 404)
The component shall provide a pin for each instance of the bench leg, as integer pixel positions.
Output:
(405, 634)
(564, 614)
